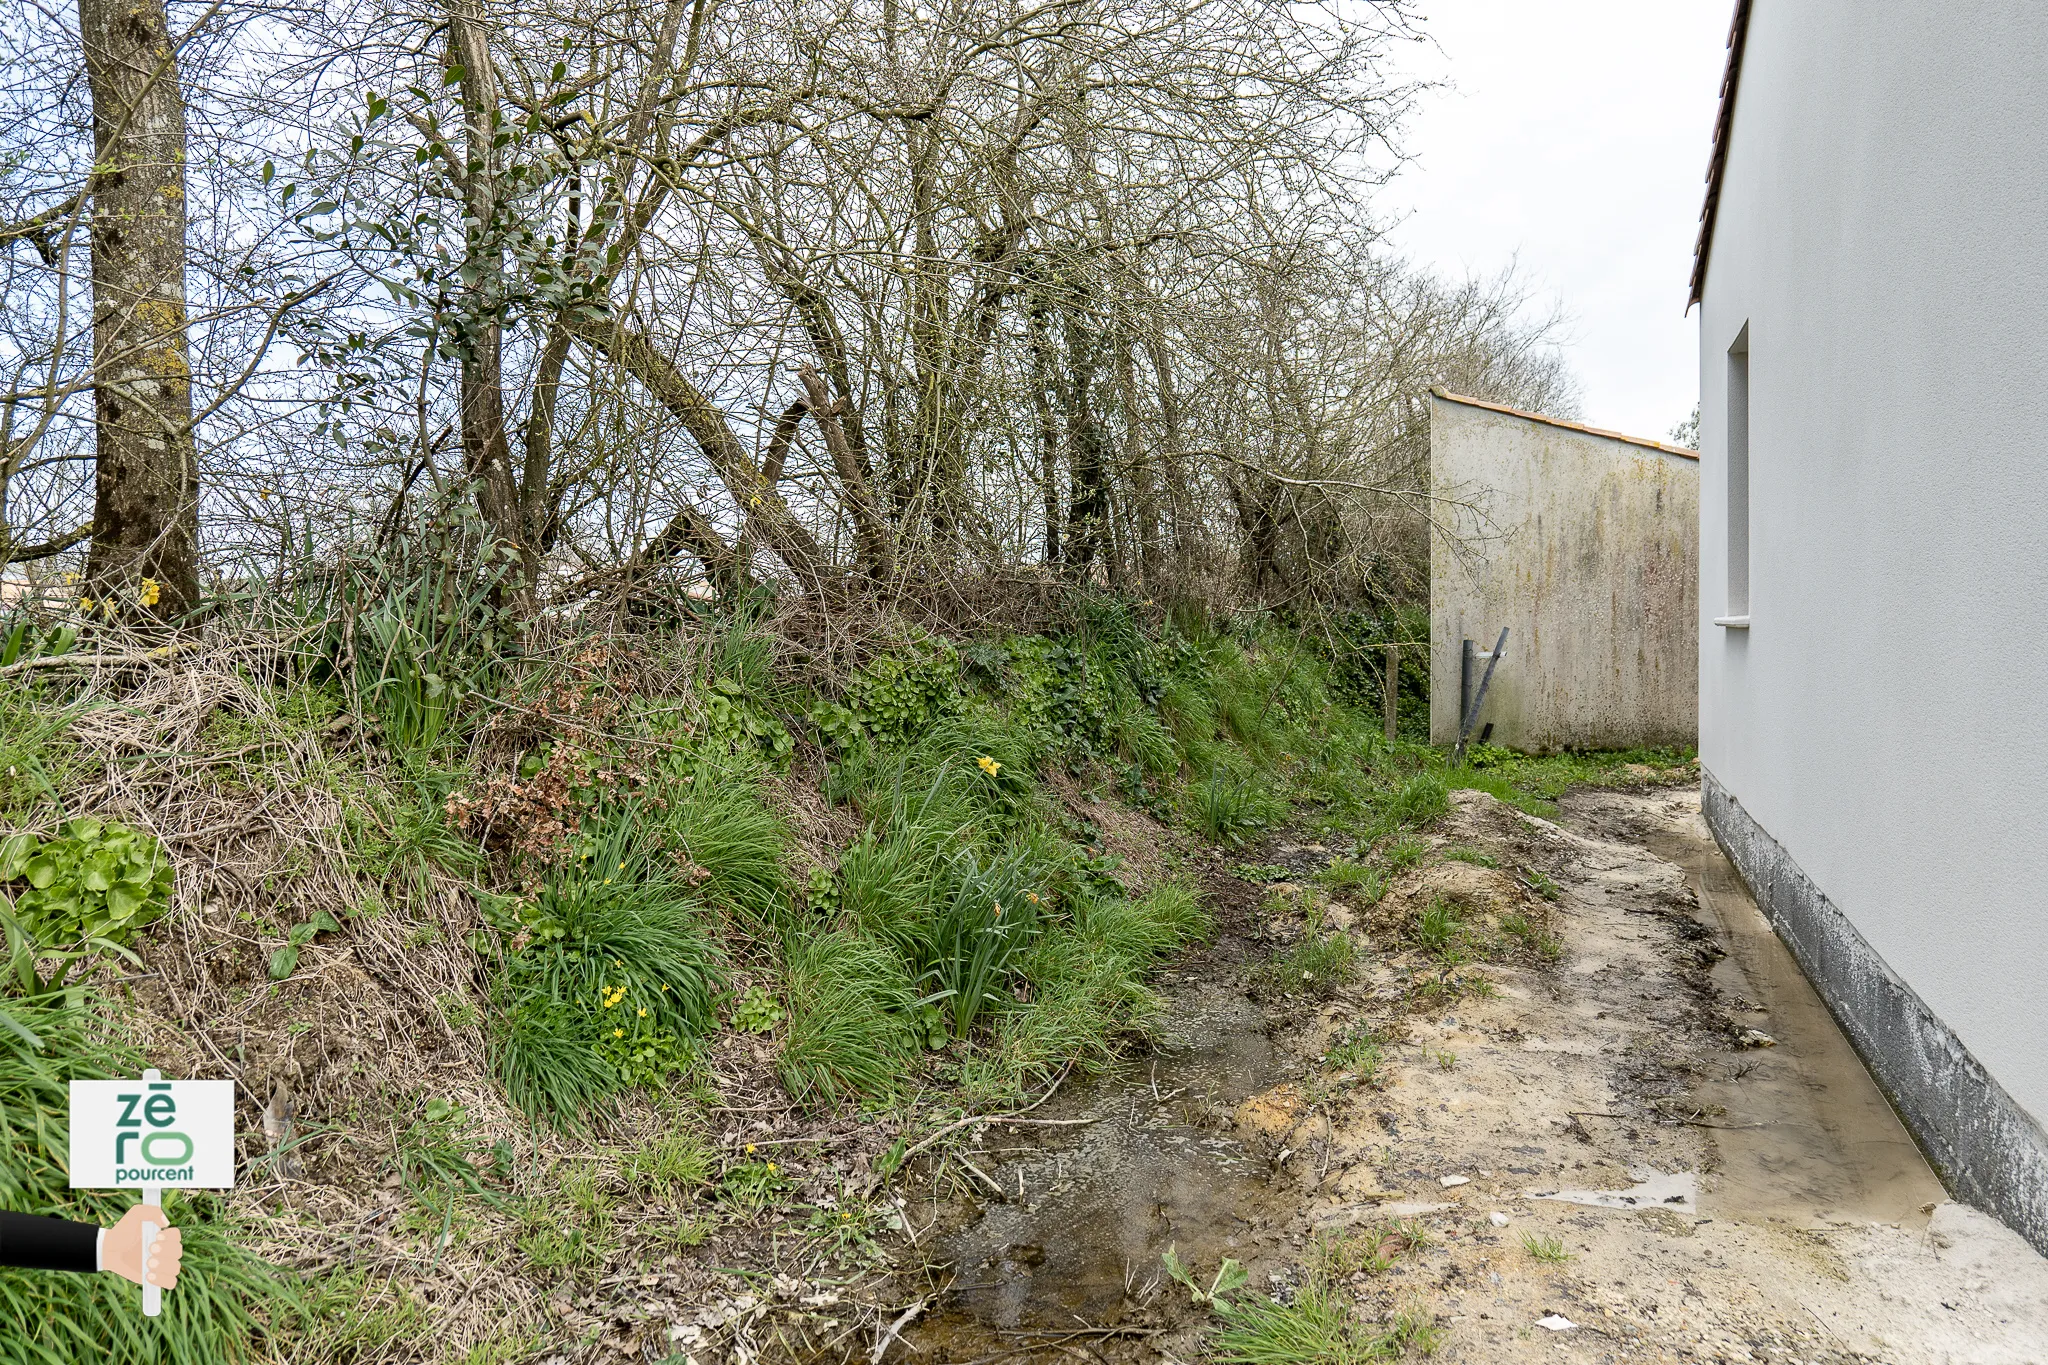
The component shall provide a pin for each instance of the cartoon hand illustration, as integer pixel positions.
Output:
(122, 1253)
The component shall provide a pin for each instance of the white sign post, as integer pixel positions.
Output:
(152, 1135)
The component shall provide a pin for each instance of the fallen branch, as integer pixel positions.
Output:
(156, 655)
(882, 1346)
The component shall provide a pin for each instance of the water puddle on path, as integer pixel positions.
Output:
(1808, 1137)
(1090, 1209)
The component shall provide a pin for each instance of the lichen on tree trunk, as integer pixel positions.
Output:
(145, 538)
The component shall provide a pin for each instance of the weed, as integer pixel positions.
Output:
(1230, 1277)
(673, 1165)
(1260, 873)
(1533, 936)
(1373, 1251)
(1547, 1249)
(1404, 853)
(1541, 884)
(1439, 929)
(751, 1185)
(1466, 853)
(757, 1011)
(1359, 1051)
(1317, 964)
(1318, 1328)
(1360, 880)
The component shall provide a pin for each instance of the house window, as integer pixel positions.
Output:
(1738, 479)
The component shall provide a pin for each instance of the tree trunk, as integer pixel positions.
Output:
(486, 447)
(146, 482)
(870, 531)
(1040, 333)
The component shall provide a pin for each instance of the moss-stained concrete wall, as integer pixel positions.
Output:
(1585, 545)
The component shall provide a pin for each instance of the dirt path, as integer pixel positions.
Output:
(1729, 1183)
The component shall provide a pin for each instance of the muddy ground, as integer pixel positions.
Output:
(1629, 1119)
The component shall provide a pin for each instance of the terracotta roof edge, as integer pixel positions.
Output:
(1449, 397)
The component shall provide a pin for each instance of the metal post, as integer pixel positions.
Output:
(1500, 647)
(1464, 684)
(1390, 690)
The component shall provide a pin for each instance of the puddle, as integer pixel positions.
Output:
(1652, 1190)
(1100, 1203)
(1807, 1137)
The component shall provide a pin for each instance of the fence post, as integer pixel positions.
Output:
(1390, 690)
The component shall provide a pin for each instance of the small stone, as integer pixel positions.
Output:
(1556, 1322)
(1452, 1181)
(1497, 1218)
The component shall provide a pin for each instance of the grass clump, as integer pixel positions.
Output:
(848, 1030)
(1317, 964)
(1319, 1326)
(1361, 881)
(1549, 1250)
(608, 981)
(1440, 930)
(1232, 809)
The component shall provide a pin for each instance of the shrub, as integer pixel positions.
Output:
(849, 1032)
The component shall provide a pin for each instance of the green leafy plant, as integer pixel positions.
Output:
(1259, 873)
(284, 961)
(93, 880)
(1466, 853)
(752, 1184)
(757, 1011)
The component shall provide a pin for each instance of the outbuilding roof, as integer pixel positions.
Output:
(1738, 33)
(1680, 451)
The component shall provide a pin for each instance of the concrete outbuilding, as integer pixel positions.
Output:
(1584, 545)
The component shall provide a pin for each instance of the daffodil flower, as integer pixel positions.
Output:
(988, 765)
(151, 590)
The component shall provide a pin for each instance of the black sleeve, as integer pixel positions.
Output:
(38, 1242)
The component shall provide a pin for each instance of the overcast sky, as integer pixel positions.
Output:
(1572, 137)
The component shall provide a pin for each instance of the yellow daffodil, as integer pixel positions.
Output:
(85, 604)
(151, 590)
(1032, 896)
(988, 765)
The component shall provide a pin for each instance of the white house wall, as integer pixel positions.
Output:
(1584, 547)
(1876, 743)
